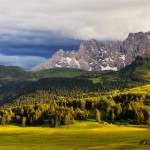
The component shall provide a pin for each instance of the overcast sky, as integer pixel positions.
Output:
(32, 30)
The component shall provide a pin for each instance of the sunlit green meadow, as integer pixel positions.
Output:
(81, 135)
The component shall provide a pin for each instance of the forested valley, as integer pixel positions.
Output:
(58, 97)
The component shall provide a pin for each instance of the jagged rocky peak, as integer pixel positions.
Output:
(89, 46)
(59, 53)
(139, 37)
(94, 55)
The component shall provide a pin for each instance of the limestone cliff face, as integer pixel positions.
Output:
(94, 55)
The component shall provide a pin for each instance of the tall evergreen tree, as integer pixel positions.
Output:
(24, 121)
(97, 115)
(3, 122)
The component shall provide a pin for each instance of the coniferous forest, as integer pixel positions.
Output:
(36, 109)
(35, 99)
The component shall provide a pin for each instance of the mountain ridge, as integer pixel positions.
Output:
(93, 55)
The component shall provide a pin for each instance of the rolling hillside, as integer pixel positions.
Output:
(139, 70)
(9, 74)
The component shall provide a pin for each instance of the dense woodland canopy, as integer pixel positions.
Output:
(36, 109)
(67, 95)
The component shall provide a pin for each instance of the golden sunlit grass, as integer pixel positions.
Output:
(81, 135)
(140, 89)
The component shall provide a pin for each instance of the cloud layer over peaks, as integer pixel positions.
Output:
(38, 28)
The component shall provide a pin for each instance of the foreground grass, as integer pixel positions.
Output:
(82, 135)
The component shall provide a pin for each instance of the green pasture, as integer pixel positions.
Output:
(81, 135)
(140, 89)
(95, 80)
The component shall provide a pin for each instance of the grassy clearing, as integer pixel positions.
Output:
(81, 135)
(95, 80)
(140, 89)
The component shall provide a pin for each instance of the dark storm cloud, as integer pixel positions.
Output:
(37, 28)
(35, 43)
(28, 48)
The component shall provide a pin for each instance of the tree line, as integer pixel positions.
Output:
(63, 111)
(70, 87)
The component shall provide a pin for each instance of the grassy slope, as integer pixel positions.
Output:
(10, 74)
(140, 89)
(60, 72)
(82, 135)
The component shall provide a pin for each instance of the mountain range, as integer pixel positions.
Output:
(94, 55)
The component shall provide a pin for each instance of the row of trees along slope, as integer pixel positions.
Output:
(125, 107)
